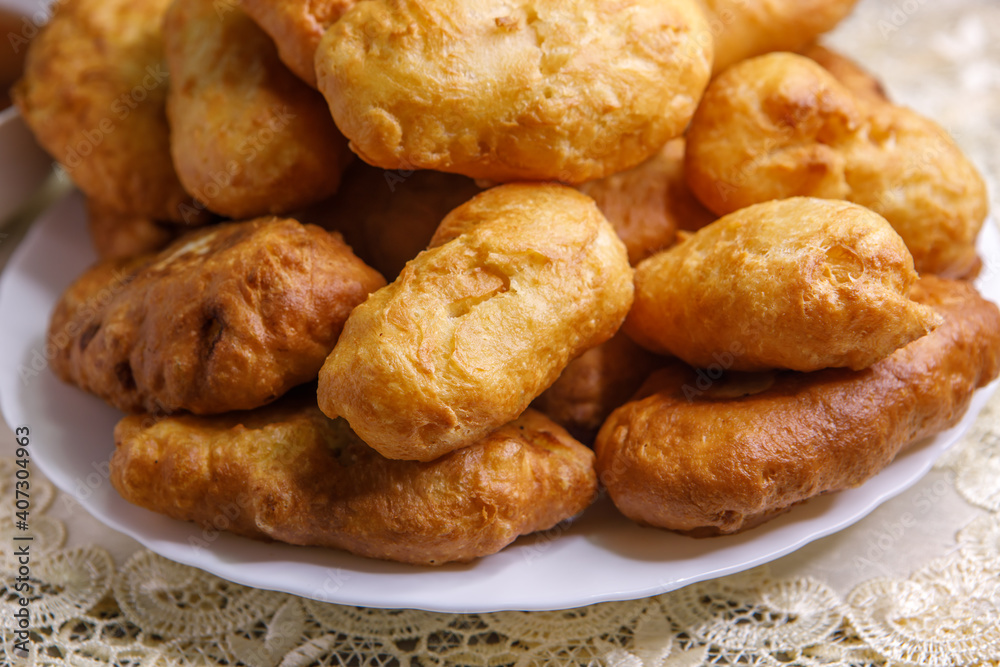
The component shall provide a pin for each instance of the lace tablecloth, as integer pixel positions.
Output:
(915, 582)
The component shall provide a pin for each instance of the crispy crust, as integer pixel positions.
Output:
(696, 452)
(747, 28)
(247, 136)
(288, 473)
(94, 93)
(797, 283)
(544, 91)
(781, 126)
(650, 203)
(296, 26)
(474, 329)
(226, 318)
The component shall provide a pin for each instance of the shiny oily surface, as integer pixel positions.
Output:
(503, 90)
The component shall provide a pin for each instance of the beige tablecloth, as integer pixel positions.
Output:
(917, 581)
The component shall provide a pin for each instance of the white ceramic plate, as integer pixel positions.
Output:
(601, 556)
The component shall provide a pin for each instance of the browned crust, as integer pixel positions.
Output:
(247, 137)
(747, 28)
(509, 94)
(650, 203)
(693, 454)
(286, 472)
(780, 126)
(296, 26)
(94, 92)
(799, 283)
(226, 318)
(471, 331)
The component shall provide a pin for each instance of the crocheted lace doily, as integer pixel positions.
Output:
(149, 611)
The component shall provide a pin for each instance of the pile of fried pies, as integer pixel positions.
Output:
(412, 279)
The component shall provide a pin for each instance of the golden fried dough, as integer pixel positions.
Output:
(248, 137)
(855, 78)
(93, 93)
(780, 125)
(747, 28)
(717, 453)
(118, 235)
(81, 308)
(910, 171)
(227, 317)
(474, 329)
(286, 472)
(648, 204)
(541, 91)
(797, 283)
(389, 217)
(595, 383)
(296, 27)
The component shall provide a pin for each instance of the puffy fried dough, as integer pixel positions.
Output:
(797, 283)
(542, 91)
(248, 137)
(226, 318)
(93, 93)
(780, 125)
(855, 78)
(911, 172)
(648, 204)
(595, 383)
(296, 27)
(118, 235)
(719, 453)
(747, 28)
(471, 331)
(288, 473)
